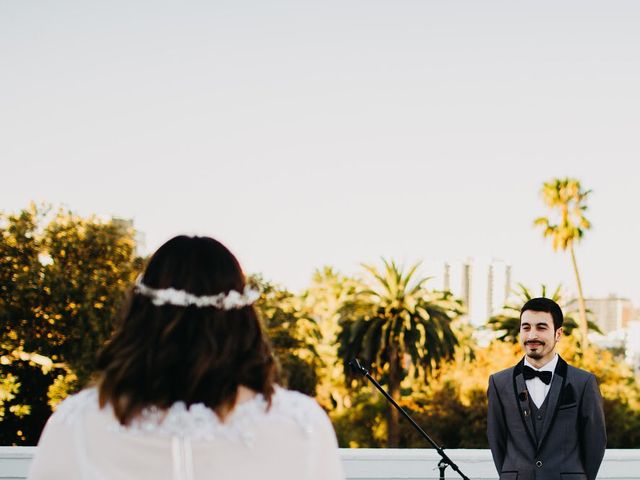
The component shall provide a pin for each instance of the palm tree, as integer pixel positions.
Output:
(566, 197)
(394, 319)
(507, 323)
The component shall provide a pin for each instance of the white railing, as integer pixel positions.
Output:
(388, 464)
(418, 464)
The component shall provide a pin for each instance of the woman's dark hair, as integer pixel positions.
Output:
(163, 354)
(542, 304)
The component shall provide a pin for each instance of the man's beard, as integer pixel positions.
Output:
(536, 355)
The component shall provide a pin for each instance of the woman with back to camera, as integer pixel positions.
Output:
(186, 388)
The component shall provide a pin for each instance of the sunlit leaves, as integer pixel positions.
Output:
(62, 279)
(293, 334)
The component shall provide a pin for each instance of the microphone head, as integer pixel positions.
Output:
(357, 367)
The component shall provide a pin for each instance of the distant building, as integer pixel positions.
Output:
(126, 225)
(633, 344)
(484, 286)
(611, 313)
(498, 286)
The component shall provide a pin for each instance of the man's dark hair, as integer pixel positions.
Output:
(542, 304)
(160, 355)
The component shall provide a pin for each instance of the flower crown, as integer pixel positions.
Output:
(182, 298)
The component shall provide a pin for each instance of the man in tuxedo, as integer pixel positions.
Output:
(545, 418)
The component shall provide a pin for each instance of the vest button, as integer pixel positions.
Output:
(538, 464)
(539, 417)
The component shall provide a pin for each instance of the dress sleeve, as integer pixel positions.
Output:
(55, 455)
(326, 462)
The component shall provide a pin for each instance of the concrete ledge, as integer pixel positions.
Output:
(418, 464)
(14, 462)
(388, 464)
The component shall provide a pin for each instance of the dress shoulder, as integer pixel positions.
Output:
(74, 405)
(200, 422)
(303, 409)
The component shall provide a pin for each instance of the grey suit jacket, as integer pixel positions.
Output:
(573, 437)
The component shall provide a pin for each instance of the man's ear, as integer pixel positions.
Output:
(558, 334)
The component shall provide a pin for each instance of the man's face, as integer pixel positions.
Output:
(538, 337)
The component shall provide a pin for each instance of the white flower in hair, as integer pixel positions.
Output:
(236, 300)
(232, 299)
(182, 298)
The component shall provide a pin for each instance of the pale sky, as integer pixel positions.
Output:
(332, 132)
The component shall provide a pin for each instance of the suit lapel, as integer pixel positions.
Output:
(522, 400)
(557, 386)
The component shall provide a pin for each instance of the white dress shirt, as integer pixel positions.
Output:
(537, 388)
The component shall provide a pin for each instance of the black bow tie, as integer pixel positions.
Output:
(530, 373)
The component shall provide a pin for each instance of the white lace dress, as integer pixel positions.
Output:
(292, 440)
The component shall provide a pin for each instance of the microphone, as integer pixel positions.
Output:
(524, 397)
(357, 367)
(446, 461)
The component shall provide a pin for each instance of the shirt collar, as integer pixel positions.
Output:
(550, 366)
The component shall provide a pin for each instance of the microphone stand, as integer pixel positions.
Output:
(445, 461)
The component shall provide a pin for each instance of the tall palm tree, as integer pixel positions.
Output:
(507, 322)
(567, 200)
(393, 319)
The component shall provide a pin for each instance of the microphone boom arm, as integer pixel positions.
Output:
(446, 461)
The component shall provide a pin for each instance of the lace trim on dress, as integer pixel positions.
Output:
(199, 422)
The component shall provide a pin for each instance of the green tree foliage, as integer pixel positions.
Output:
(620, 391)
(24, 398)
(62, 280)
(363, 424)
(507, 322)
(293, 334)
(322, 301)
(395, 319)
(566, 199)
(453, 405)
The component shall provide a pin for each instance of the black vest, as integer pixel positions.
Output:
(538, 415)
